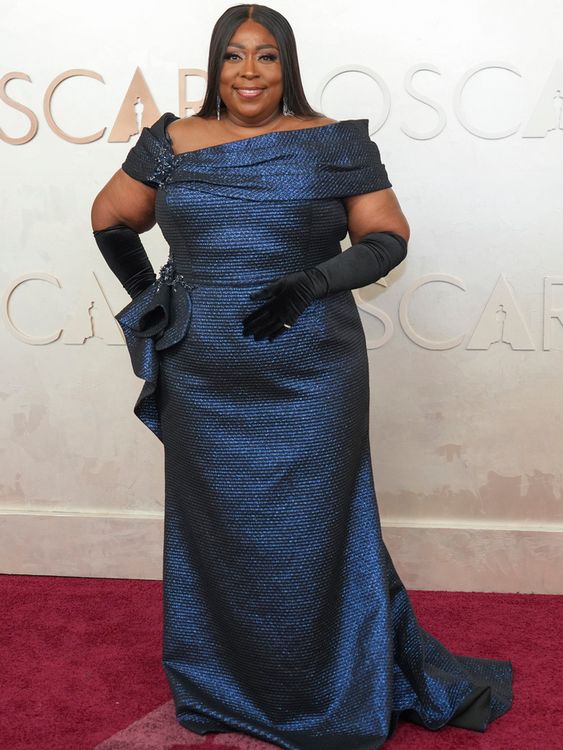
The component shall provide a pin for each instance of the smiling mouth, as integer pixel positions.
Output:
(250, 92)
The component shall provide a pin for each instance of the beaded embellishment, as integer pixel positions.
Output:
(169, 275)
(163, 166)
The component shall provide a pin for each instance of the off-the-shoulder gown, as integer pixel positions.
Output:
(284, 617)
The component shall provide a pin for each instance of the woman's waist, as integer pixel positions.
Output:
(244, 267)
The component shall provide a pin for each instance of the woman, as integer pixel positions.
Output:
(284, 617)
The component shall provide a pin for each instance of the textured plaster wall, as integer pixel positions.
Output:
(465, 339)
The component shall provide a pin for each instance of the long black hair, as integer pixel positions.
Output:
(279, 27)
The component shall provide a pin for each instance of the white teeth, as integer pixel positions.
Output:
(249, 93)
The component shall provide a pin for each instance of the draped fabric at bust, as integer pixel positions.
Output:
(284, 616)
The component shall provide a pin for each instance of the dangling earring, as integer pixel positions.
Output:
(218, 107)
(286, 110)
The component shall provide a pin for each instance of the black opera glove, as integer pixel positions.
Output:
(291, 294)
(124, 253)
(361, 264)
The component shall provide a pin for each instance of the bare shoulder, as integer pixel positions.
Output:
(185, 125)
(310, 122)
(191, 133)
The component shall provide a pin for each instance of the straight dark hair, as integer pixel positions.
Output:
(280, 29)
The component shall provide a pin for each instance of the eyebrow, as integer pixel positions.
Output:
(258, 46)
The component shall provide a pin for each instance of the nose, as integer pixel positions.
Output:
(249, 67)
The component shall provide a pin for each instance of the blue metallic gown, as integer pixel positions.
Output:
(284, 617)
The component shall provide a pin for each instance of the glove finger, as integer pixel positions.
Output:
(257, 321)
(281, 329)
(261, 293)
(268, 328)
(255, 315)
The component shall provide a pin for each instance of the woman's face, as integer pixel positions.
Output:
(251, 61)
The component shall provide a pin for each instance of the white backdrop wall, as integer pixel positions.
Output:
(465, 338)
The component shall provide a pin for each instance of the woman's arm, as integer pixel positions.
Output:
(121, 210)
(375, 212)
(379, 232)
(124, 200)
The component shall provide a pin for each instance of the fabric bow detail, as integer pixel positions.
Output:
(154, 320)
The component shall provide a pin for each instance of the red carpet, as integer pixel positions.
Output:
(80, 668)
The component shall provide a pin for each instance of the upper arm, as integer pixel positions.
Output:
(124, 200)
(129, 197)
(378, 211)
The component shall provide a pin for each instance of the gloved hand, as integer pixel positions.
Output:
(292, 293)
(364, 263)
(124, 253)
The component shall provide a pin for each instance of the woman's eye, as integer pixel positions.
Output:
(270, 57)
